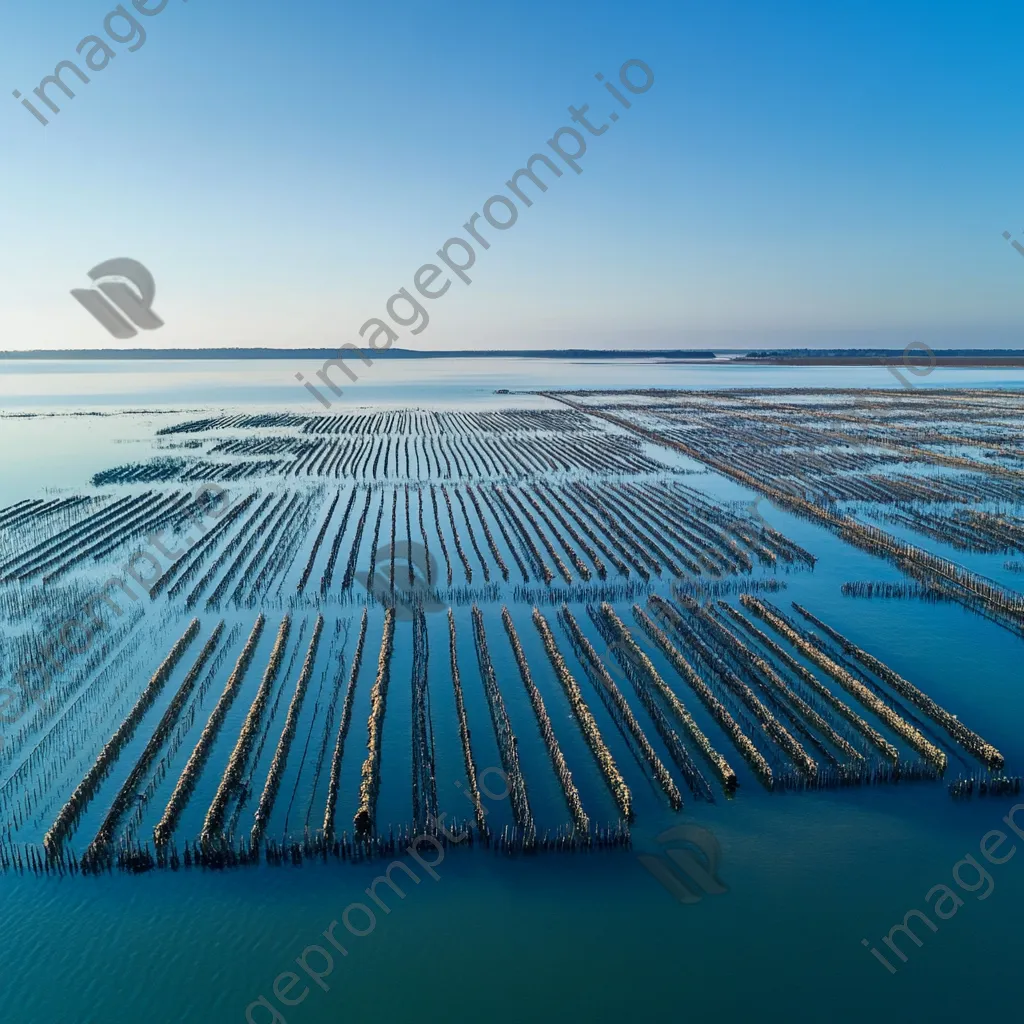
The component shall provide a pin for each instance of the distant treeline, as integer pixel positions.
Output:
(328, 353)
(870, 353)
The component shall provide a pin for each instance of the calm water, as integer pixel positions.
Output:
(49, 384)
(592, 937)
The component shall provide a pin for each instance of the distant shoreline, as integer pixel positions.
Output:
(965, 358)
(331, 353)
(1009, 359)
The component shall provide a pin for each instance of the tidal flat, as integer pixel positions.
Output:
(251, 652)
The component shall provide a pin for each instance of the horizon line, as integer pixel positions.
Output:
(268, 352)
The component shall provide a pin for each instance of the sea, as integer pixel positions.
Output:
(804, 878)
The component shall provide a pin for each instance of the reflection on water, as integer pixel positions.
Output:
(589, 937)
(49, 384)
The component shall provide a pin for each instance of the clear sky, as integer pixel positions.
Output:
(800, 172)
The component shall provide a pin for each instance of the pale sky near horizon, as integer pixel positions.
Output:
(798, 174)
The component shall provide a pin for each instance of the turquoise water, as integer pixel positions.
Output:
(588, 936)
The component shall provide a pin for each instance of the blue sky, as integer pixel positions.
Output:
(799, 173)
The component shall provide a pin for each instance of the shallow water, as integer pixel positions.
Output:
(591, 936)
(27, 385)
